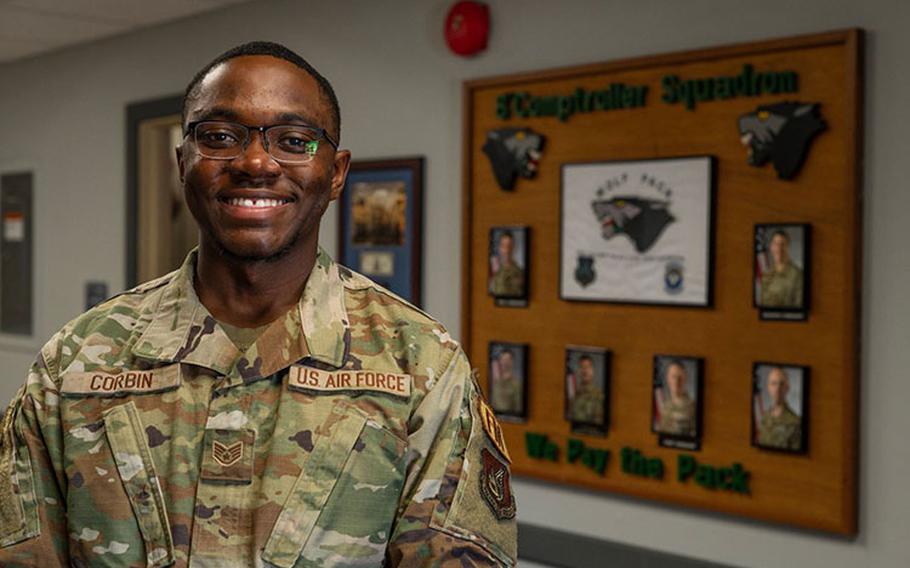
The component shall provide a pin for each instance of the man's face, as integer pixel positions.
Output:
(780, 249)
(505, 247)
(505, 364)
(676, 380)
(260, 91)
(778, 386)
(586, 371)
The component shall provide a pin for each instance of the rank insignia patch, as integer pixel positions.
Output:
(227, 455)
(496, 486)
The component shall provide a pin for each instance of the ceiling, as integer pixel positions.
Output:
(30, 27)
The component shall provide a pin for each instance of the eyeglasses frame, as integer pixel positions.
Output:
(262, 130)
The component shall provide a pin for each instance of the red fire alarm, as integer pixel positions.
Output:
(468, 27)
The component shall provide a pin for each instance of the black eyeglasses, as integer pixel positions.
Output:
(286, 143)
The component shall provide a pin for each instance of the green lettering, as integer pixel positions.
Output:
(685, 467)
(535, 444)
(704, 476)
(520, 104)
(725, 87)
(769, 82)
(656, 468)
(740, 482)
(576, 448)
(670, 86)
(502, 106)
(789, 82)
(600, 460)
(566, 107)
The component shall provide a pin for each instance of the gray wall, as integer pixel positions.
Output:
(63, 114)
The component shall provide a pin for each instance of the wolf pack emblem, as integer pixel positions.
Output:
(781, 133)
(642, 220)
(513, 153)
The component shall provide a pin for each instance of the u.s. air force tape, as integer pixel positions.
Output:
(125, 382)
(331, 381)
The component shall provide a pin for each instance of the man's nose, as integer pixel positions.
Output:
(255, 159)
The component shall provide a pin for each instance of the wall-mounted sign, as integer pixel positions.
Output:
(780, 133)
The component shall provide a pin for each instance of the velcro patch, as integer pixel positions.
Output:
(125, 382)
(496, 486)
(492, 428)
(332, 381)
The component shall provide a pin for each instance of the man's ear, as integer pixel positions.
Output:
(340, 172)
(178, 150)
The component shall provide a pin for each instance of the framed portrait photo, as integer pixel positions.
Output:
(782, 274)
(508, 380)
(638, 232)
(587, 387)
(676, 407)
(780, 398)
(509, 264)
(381, 223)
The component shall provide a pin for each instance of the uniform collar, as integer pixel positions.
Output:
(183, 330)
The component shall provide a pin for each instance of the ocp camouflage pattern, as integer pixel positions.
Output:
(206, 456)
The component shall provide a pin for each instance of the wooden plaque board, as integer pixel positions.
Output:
(816, 490)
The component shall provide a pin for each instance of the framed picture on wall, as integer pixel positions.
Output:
(780, 394)
(509, 262)
(588, 389)
(638, 232)
(782, 274)
(676, 406)
(508, 380)
(381, 223)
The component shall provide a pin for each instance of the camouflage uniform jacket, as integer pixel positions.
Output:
(350, 433)
(509, 281)
(506, 396)
(783, 431)
(588, 405)
(678, 418)
(782, 288)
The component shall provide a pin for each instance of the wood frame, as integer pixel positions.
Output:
(136, 113)
(416, 167)
(837, 512)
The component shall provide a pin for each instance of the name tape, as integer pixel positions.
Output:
(332, 381)
(111, 384)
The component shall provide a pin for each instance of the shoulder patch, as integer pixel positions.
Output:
(492, 428)
(496, 486)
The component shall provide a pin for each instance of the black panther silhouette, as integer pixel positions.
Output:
(781, 133)
(513, 152)
(643, 220)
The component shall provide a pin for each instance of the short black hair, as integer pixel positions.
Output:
(587, 358)
(271, 49)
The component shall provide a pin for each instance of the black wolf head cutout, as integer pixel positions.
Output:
(513, 152)
(781, 133)
(643, 220)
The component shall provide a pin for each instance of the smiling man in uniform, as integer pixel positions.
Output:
(262, 405)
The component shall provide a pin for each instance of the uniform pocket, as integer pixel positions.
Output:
(344, 500)
(130, 450)
(18, 507)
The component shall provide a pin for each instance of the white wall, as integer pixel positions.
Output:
(400, 95)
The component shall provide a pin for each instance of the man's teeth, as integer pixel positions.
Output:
(261, 203)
